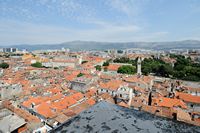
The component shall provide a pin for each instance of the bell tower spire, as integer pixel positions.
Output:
(139, 72)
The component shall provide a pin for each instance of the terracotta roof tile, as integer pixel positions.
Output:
(188, 98)
(112, 84)
(91, 101)
(35, 101)
(123, 104)
(113, 67)
(169, 102)
(45, 110)
(90, 93)
(77, 96)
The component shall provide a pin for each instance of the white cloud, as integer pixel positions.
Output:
(37, 10)
(130, 8)
(125, 6)
(69, 9)
(13, 32)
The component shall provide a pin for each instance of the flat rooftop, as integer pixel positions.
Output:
(10, 123)
(109, 118)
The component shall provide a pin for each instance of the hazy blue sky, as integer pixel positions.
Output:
(56, 21)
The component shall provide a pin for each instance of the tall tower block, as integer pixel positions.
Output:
(80, 59)
(139, 72)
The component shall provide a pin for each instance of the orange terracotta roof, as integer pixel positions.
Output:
(143, 79)
(35, 100)
(87, 65)
(169, 102)
(71, 77)
(65, 60)
(168, 60)
(137, 101)
(69, 112)
(75, 72)
(63, 103)
(57, 106)
(45, 110)
(112, 85)
(107, 97)
(72, 91)
(77, 96)
(54, 90)
(91, 101)
(136, 88)
(188, 98)
(113, 67)
(105, 76)
(56, 97)
(90, 93)
(123, 104)
(69, 101)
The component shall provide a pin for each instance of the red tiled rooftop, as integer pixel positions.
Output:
(123, 104)
(112, 85)
(56, 97)
(54, 90)
(113, 67)
(91, 101)
(63, 103)
(90, 93)
(188, 98)
(77, 96)
(169, 102)
(35, 101)
(45, 110)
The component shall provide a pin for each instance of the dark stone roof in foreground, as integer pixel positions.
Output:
(108, 118)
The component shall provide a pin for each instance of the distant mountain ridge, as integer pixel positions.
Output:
(93, 45)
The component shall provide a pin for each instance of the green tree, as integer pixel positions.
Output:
(146, 70)
(179, 67)
(37, 64)
(126, 69)
(98, 67)
(106, 63)
(80, 74)
(184, 68)
(125, 60)
(4, 65)
(164, 70)
(178, 74)
(156, 66)
(122, 60)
